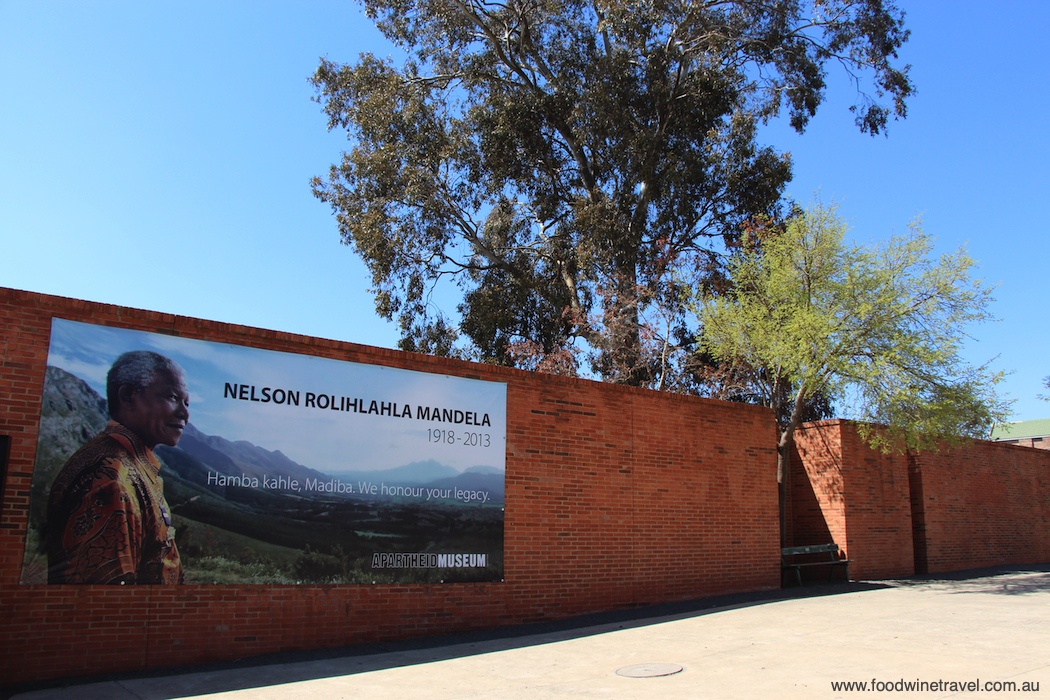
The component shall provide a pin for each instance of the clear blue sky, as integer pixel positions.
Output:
(317, 433)
(158, 155)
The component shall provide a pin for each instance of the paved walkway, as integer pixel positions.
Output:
(990, 627)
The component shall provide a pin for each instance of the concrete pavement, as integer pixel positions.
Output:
(991, 628)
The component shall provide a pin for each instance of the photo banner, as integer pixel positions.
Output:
(291, 469)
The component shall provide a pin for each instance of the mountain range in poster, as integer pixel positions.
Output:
(282, 534)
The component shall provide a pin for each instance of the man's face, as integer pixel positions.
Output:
(157, 414)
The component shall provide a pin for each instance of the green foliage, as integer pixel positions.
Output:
(562, 160)
(220, 570)
(315, 567)
(879, 328)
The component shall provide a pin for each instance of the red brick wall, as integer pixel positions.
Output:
(969, 507)
(1039, 443)
(816, 506)
(844, 492)
(615, 498)
(983, 505)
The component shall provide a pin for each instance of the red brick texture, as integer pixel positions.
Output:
(981, 505)
(844, 492)
(615, 498)
(896, 515)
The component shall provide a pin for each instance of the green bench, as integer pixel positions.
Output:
(789, 560)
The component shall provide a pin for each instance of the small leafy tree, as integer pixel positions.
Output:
(563, 160)
(878, 329)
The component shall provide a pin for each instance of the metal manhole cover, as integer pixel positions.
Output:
(649, 670)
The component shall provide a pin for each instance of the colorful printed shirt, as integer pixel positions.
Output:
(107, 520)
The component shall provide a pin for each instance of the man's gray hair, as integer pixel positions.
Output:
(138, 368)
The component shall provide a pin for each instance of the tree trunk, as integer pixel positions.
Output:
(783, 462)
(784, 448)
(623, 324)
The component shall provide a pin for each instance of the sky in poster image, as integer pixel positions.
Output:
(158, 155)
(325, 414)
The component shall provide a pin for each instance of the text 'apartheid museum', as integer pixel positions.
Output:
(286, 492)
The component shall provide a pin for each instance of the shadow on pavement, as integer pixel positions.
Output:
(1001, 580)
(291, 667)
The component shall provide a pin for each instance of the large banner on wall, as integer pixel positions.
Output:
(266, 467)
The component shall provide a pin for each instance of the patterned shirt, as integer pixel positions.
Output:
(107, 520)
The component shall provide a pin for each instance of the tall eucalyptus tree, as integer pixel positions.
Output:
(569, 162)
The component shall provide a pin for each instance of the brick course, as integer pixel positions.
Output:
(982, 505)
(978, 505)
(615, 498)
